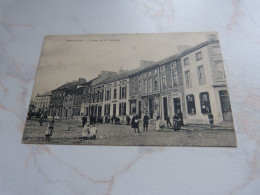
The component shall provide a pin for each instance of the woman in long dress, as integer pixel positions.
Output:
(85, 131)
(157, 123)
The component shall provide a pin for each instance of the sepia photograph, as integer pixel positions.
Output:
(156, 89)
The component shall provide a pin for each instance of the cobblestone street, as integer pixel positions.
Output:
(189, 135)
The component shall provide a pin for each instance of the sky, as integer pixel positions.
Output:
(65, 58)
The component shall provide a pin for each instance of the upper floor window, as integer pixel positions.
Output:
(145, 86)
(198, 56)
(188, 79)
(155, 84)
(163, 81)
(114, 93)
(220, 71)
(201, 75)
(186, 61)
(150, 85)
(174, 76)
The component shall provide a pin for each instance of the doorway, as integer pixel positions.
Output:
(165, 108)
(177, 104)
(151, 111)
(114, 110)
(139, 108)
(225, 105)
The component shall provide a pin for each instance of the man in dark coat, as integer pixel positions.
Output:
(145, 122)
(84, 120)
(211, 120)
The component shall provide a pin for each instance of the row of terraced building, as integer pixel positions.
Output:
(191, 81)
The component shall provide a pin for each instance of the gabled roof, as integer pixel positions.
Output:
(65, 85)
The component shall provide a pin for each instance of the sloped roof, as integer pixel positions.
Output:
(45, 94)
(65, 85)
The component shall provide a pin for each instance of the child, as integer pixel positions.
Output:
(49, 130)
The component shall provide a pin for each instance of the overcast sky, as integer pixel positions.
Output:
(69, 57)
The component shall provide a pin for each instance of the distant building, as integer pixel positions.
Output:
(66, 99)
(42, 102)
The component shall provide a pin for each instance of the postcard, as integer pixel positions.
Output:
(165, 89)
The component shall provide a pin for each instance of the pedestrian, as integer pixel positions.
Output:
(168, 121)
(211, 120)
(128, 119)
(145, 122)
(176, 122)
(135, 123)
(84, 120)
(85, 131)
(180, 116)
(41, 119)
(49, 130)
(159, 124)
(93, 132)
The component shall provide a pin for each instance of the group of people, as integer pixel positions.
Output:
(159, 123)
(90, 130)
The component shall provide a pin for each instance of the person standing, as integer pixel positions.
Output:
(41, 119)
(128, 120)
(176, 122)
(135, 123)
(168, 121)
(211, 120)
(49, 130)
(85, 131)
(84, 120)
(157, 123)
(180, 116)
(145, 122)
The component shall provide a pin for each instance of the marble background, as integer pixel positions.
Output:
(44, 169)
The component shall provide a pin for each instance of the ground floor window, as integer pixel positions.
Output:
(205, 103)
(191, 104)
(132, 107)
(122, 108)
(107, 109)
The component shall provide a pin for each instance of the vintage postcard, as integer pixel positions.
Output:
(166, 89)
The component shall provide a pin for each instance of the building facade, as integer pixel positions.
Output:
(191, 82)
(42, 103)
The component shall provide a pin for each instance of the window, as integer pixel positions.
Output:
(188, 79)
(220, 71)
(186, 61)
(216, 50)
(205, 103)
(155, 84)
(145, 86)
(140, 87)
(150, 85)
(107, 94)
(174, 76)
(191, 104)
(133, 88)
(163, 81)
(201, 75)
(123, 92)
(198, 56)
(122, 108)
(114, 93)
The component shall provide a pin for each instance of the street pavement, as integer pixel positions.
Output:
(69, 132)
